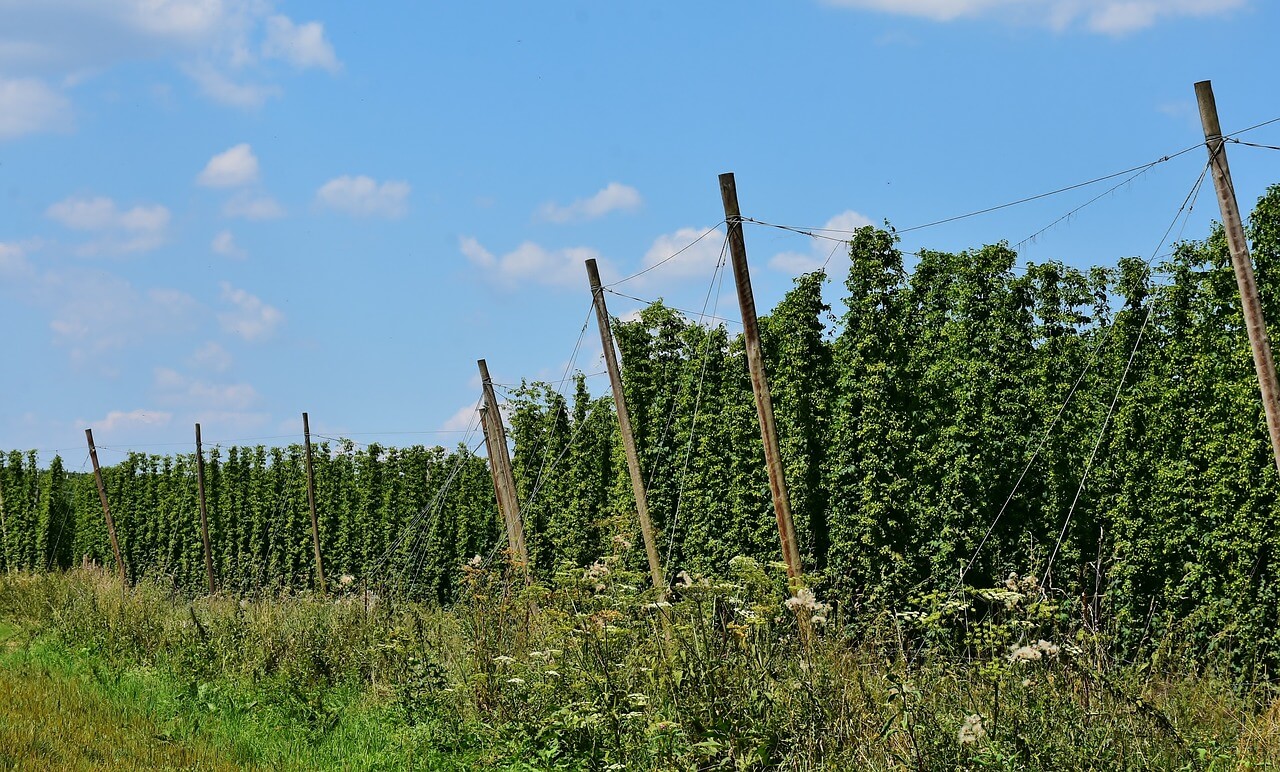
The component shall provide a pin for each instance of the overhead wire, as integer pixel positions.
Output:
(697, 402)
(667, 259)
(1189, 201)
(1093, 357)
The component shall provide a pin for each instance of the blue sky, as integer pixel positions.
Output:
(231, 211)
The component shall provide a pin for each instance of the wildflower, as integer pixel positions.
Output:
(622, 542)
(1039, 650)
(683, 579)
(504, 659)
(1025, 654)
(598, 570)
(552, 673)
(638, 698)
(1026, 682)
(805, 599)
(516, 681)
(972, 732)
(476, 561)
(659, 605)
(346, 580)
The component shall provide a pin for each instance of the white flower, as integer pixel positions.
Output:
(805, 599)
(683, 579)
(504, 659)
(476, 561)
(1025, 654)
(516, 681)
(346, 580)
(971, 731)
(1039, 650)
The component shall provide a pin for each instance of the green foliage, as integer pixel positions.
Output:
(955, 419)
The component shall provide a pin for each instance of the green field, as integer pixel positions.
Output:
(586, 674)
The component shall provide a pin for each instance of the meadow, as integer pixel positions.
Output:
(593, 672)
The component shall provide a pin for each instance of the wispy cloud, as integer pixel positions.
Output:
(252, 206)
(363, 196)
(29, 105)
(248, 316)
(1108, 17)
(225, 244)
(532, 263)
(120, 231)
(614, 197)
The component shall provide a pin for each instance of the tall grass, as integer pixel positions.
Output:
(594, 672)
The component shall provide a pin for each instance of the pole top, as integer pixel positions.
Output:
(1208, 110)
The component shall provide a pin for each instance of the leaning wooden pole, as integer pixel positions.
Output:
(624, 426)
(1241, 263)
(760, 381)
(106, 510)
(500, 464)
(204, 513)
(311, 502)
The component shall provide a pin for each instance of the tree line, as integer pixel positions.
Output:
(907, 417)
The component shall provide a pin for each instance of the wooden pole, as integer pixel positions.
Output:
(204, 514)
(499, 493)
(106, 510)
(311, 502)
(1241, 263)
(500, 464)
(759, 381)
(624, 425)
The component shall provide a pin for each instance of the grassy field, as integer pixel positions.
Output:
(585, 675)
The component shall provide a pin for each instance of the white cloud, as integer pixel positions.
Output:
(225, 244)
(697, 260)
(302, 45)
(613, 197)
(127, 231)
(248, 317)
(531, 263)
(176, 388)
(223, 90)
(231, 168)
(463, 418)
(92, 313)
(210, 40)
(253, 207)
(364, 197)
(211, 356)
(28, 105)
(822, 250)
(1110, 17)
(119, 419)
(13, 262)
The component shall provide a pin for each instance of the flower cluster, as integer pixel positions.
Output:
(804, 599)
(971, 731)
(1041, 649)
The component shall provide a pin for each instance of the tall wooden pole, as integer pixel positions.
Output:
(500, 465)
(624, 425)
(759, 381)
(106, 510)
(204, 514)
(1241, 263)
(311, 502)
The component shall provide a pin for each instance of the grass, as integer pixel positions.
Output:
(583, 674)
